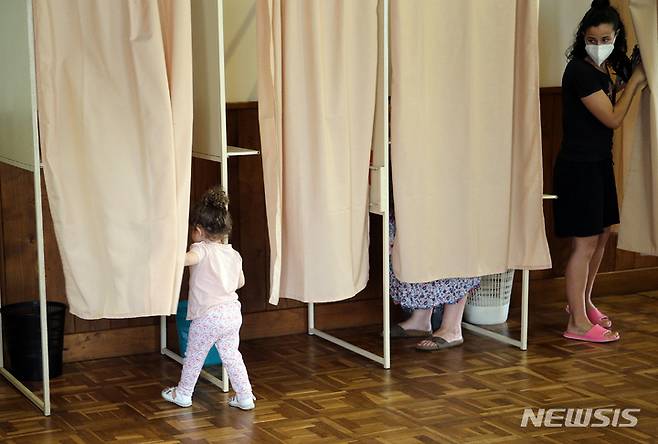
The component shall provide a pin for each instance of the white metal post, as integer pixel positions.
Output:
(222, 126)
(525, 290)
(222, 97)
(385, 195)
(382, 210)
(41, 268)
(311, 318)
(43, 404)
(163, 334)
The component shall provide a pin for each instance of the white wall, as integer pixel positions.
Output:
(240, 49)
(558, 21)
(16, 130)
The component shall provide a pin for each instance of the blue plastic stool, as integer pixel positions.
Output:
(183, 328)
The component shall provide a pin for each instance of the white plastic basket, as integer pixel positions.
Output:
(490, 303)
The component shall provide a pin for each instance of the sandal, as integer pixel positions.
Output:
(595, 316)
(398, 332)
(242, 405)
(170, 394)
(594, 334)
(438, 343)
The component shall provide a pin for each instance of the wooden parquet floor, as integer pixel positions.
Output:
(313, 392)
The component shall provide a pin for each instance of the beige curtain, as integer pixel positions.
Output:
(115, 116)
(466, 145)
(622, 136)
(317, 81)
(639, 214)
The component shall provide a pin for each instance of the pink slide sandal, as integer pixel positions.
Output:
(595, 317)
(595, 334)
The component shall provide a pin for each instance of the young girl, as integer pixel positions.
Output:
(215, 275)
(583, 178)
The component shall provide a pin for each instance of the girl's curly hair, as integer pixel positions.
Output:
(211, 213)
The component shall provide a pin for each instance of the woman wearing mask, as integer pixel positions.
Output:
(593, 106)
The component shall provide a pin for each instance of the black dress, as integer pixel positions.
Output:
(583, 177)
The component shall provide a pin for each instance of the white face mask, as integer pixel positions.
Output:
(600, 53)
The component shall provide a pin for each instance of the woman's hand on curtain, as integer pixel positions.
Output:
(639, 74)
(620, 85)
(611, 115)
(642, 76)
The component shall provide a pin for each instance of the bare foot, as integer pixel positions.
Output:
(448, 335)
(413, 324)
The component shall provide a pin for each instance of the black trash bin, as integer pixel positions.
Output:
(22, 335)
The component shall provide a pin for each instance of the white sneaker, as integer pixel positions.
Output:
(169, 395)
(242, 405)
